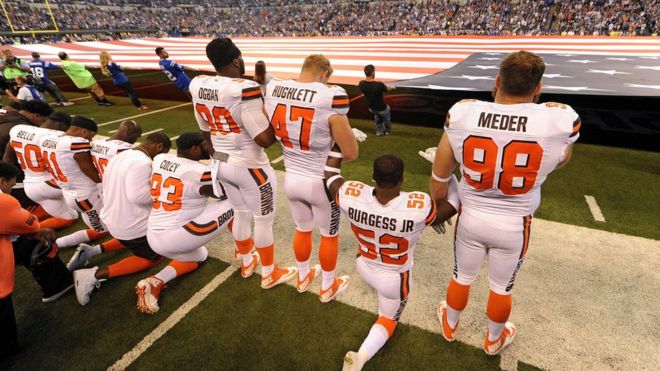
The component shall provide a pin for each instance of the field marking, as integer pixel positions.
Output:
(152, 131)
(277, 160)
(595, 210)
(145, 114)
(174, 138)
(130, 357)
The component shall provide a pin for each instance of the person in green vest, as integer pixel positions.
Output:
(12, 67)
(83, 79)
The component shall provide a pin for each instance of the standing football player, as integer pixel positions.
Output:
(308, 116)
(173, 71)
(182, 219)
(127, 199)
(230, 113)
(505, 150)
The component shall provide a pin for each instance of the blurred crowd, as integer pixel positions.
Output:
(331, 18)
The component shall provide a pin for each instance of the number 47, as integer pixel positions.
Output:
(300, 118)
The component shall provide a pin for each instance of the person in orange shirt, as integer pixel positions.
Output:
(16, 221)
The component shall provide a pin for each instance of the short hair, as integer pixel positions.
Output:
(62, 55)
(160, 138)
(84, 123)
(36, 55)
(521, 72)
(8, 171)
(318, 62)
(159, 49)
(188, 140)
(61, 117)
(369, 70)
(221, 52)
(20, 78)
(388, 170)
(37, 107)
(15, 105)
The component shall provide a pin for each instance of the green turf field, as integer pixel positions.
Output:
(230, 330)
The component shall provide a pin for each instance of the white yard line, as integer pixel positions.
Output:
(145, 114)
(128, 358)
(277, 160)
(174, 138)
(152, 131)
(595, 210)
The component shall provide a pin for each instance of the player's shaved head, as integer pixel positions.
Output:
(190, 145)
(520, 73)
(225, 57)
(58, 121)
(129, 131)
(156, 143)
(388, 171)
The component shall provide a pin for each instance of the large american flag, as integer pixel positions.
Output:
(395, 58)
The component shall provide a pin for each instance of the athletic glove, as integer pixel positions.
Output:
(359, 135)
(429, 154)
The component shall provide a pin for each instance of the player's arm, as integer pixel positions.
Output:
(443, 167)
(568, 153)
(206, 184)
(332, 173)
(84, 160)
(10, 155)
(16, 220)
(343, 136)
(572, 138)
(255, 121)
(138, 180)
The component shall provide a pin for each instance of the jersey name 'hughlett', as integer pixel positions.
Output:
(287, 92)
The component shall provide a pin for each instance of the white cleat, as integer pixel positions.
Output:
(508, 334)
(338, 286)
(81, 257)
(303, 285)
(85, 282)
(148, 291)
(354, 361)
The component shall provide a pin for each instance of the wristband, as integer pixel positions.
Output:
(441, 180)
(334, 154)
(332, 169)
(332, 179)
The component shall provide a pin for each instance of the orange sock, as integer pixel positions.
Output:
(182, 268)
(57, 223)
(40, 213)
(389, 324)
(499, 307)
(457, 295)
(267, 255)
(94, 235)
(130, 265)
(112, 245)
(328, 252)
(244, 246)
(302, 245)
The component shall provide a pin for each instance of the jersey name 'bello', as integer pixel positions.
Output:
(286, 92)
(379, 221)
(503, 122)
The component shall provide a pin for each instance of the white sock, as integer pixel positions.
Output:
(453, 316)
(266, 270)
(166, 274)
(246, 258)
(328, 279)
(303, 269)
(494, 330)
(376, 339)
(73, 239)
(97, 250)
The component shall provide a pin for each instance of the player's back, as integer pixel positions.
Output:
(104, 150)
(219, 103)
(73, 181)
(386, 234)
(507, 151)
(175, 186)
(299, 114)
(25, 141)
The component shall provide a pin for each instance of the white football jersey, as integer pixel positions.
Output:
(507, 151)
(59, 152)
(299, 114)
(175, 185)
(219, 103)
(105, 149)
(25, 141)
(386, 234)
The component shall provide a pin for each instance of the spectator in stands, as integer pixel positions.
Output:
(40, 71)
(373, 92)
(261, 76)
(83, 79)
(26, 92)
(119, 78)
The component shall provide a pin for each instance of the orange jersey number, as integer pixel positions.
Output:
(174, 188)
(29, 157)
(299, 116)
(218, 119)
(396, 255)
(415, 201)
(100, 164)
(54, 167)
(520, 159)
(354, 189)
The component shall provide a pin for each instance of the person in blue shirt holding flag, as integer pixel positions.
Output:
(119, 78)
(39, 70)
(173, 70)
